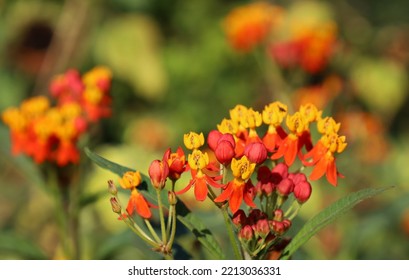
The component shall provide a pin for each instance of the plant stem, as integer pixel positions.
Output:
(152, 231)
(161, 217)
(232, 236)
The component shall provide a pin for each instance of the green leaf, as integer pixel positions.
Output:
(22, 247)
(184, 215)
(327, 216)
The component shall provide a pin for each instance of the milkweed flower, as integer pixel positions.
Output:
(50, 132)
(240, 188)
(137, 202)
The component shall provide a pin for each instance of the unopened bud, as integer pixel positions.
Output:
(278, 215)
(285, 187)
(246, 233)
(256, 152)
(239, 218)
(172, 198)
(112, 188)
(158, 172)
(262, 228)
(224, 152)
(116, 207)
(213, 138)
(302, 191)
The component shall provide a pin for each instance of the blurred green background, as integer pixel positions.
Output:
(174, 72)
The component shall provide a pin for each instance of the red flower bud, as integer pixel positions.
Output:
(158, 172)
(256, 152)
(176, 162)
(285, 187)
(213, 138)
(302, 191)
(278, 215)
(224, 152)
(239, 218)
(227, 137)
(297, 177)
(262, 228)
(279, 172)
(246, 233)
(264, 181)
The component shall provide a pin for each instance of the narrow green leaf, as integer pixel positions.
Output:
(184, 215)
(24, 248)
(327, 216)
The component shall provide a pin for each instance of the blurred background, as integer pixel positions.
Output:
(174, 71)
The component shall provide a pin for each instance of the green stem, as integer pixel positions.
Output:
(232, 236)
(139, 232)
(173, 230)
(161, 217)
(152, 231)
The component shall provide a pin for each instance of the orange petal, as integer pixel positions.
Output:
(226, 194)
(332, 171)
(142, 207)
(236, 197)
(319, 169)
(200, 188)
(291, 151)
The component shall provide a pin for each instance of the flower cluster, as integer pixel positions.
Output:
(253, 159)
(289, 40)
(50, 132)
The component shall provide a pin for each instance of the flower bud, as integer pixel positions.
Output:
(172, 198)
(112, 188)
(239, 218)
(287, 224)
(302, 191)
(285, 187)
(256, 152)
(262, 228)
(246, 233)
(278, 227)
(213, 138)
(264, 181)
(176, 162)
(279, 172)
(297, 177)
(116, 207)
(224, 152)
(158, 172)
(278, 215)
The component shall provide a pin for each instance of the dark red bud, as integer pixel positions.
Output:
(239, 218)
(246, 233)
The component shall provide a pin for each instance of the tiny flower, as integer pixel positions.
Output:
(158, 172)
(242, 168)
(193, 141)
(235, 192)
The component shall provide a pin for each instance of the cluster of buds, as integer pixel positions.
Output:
(259, 231)
(306, 45)
(50, 132)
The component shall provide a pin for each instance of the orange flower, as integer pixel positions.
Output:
(248, 25)
(240, 188)
(137, 202)
(323, 159)
(176, 162)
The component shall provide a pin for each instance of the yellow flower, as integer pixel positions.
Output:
(242, 168)
(130, 180)
(193, 141)
(198, 160)
(297, 123)
(274, 113)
